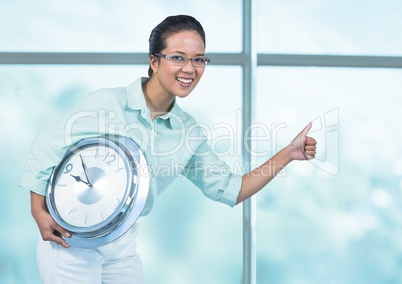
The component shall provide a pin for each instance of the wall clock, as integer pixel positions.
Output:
(98, 190)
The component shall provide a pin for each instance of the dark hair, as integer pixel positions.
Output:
(169, 26)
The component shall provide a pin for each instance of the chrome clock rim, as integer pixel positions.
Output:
(129, 209)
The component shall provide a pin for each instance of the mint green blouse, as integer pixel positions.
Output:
(173, 144)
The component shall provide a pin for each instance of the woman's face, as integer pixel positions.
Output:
(179, 80)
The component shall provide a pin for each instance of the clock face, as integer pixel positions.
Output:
(91, 185)
(98, 190)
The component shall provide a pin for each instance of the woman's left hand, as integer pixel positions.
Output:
(302, 146)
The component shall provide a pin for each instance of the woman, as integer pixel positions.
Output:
(147, 112)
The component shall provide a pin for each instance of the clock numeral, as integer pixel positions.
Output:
(72, 213)
(68, 168)
(109, 159)
(115, 204)
(119, 169)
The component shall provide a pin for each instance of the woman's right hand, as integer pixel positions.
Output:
(48, 228)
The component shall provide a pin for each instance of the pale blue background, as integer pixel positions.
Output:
(334, 220)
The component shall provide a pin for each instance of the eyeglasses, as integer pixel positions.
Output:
(180, 60)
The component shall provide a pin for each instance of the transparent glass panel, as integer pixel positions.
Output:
(191, 239)
(330, 27)
(104, 26)
(31, 98)
(334, 219)
(185, 235)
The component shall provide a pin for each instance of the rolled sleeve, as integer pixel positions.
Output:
(46, 152)
(231, 193)
(213, 176)
(33, 184)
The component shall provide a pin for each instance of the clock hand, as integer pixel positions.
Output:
(78, 178)
(85, 171)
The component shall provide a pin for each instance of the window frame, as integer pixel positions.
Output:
(249, 60)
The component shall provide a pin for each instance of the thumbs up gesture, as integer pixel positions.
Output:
(302, 146)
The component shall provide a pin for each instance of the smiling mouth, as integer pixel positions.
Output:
(185, 81)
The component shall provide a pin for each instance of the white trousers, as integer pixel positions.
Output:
(117, 262)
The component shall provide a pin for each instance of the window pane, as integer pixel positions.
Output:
(335, 217)
(188, 234)
(185, 235)
(32, 97)
(105, 26)
(330, 27)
